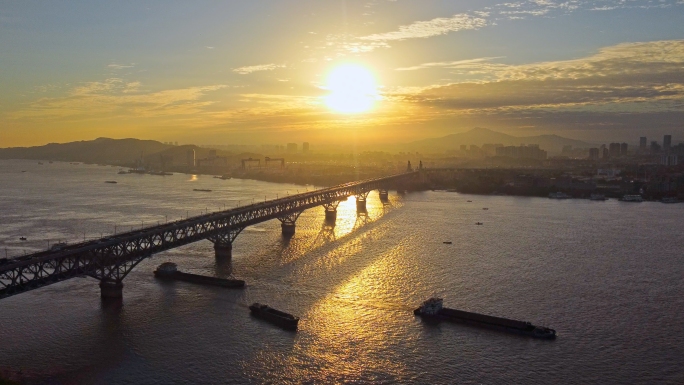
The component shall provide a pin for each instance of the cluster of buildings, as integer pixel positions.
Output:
(531, 151)
(667, 155)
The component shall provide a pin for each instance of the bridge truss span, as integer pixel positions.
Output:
(111, 259)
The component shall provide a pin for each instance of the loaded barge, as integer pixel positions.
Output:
(280, 318)
(433, 309)
(168, 270)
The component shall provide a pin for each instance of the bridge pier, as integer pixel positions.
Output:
(111, 289)
(361, 201)
(223, 243)
(223, 250)
(287, 224)
(384, 194)
(331, 211)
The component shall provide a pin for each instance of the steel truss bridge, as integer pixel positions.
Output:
(110, 259)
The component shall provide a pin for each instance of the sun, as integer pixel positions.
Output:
(352, 89)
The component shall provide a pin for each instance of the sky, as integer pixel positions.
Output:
(339, 71)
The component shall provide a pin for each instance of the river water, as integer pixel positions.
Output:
(606, 275)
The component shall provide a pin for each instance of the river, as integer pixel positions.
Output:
(606, 275)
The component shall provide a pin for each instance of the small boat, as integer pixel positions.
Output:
(50, 162)
(469, 201)
(479, 223)
(111, 181)
(447, 242)
(123, 172)
(40, 163)
(632, 198)
(201, 189)
(559, 195)
(23, 171)
(670, 200)
(22, 238)
(485, 208)
(277, 317)
(597, 197)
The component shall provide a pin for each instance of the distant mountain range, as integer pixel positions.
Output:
(128, 151)
(479, 136)
(101, 150)
(112, 151)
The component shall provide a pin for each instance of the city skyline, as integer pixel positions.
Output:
(237, 73)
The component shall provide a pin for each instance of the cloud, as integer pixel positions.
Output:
(115, 97)
(120, 66)
(261, 67)
(450, 64)
(429, 28)
(634, 77)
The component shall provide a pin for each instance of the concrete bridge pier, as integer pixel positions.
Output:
(223, 250)
(331, 211)
(361, 197)
(287, 224)
(223, 243)
(110, 289)
(384, 194)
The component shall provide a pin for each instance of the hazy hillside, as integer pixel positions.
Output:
(480, 136)
(101, 150)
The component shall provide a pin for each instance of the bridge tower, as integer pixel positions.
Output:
(287, 223)
(223, 243)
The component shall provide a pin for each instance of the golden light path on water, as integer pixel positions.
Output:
(338, 335)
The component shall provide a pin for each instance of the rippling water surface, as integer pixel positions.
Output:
(606, 275)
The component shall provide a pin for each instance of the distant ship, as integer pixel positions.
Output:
(670, 200)
(559, 195)
(597, 197)
(433, 309)
(282, 319)
(632, 198)
(201, 189)
(110, 181)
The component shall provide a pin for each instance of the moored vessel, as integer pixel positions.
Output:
(277, 317)
(632, 198)
(597, 197)
(169, 270)
(670, 200)
(559, 195)
(433, 309)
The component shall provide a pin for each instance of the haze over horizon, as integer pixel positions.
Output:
(374, 71)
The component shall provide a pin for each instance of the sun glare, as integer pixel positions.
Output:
(352, 89)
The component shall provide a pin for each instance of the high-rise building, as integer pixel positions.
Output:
(305, 147)
(667, 142)
(464, 148)
(605, 154)
(655, 147)
(643, 144)
(614, 149)
(190, 160)
(623, 149)
(593, 153)
(292, 147)
(669, 159)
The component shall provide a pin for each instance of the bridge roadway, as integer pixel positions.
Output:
(110, 259)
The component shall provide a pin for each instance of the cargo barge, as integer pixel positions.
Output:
(433, 309)
(168, 270)
(277, 317)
